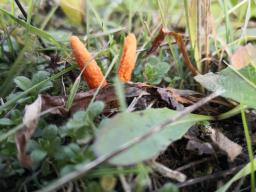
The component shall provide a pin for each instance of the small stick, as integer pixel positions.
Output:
(21, 8)
(167, 172)
(208, 177)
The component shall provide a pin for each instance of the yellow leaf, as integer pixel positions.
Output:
(73, 9)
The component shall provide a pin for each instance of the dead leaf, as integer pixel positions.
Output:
(200, 147)
(30, 121)
(83, 99)
(225, 144)
(243, 56)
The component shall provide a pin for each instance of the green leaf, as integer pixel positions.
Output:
(237, 85)
(38, 155)
(126, 126)
(39, 77)
(73, 9)
(155, 70)
(23, 82)
(169, 187)
(6, 122)
(81, 124)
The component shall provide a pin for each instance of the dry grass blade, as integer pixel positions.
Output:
(180, 43)
(157, 41)
(183, 49)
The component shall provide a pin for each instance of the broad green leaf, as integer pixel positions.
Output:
(242, 173)
(6, 122)
(126, 126)
(237, 85)
(73, 9)
(23, 82)
(81, 124)
(39, 77)
(32, 29)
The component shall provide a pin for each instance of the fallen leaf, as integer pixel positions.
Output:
(225, 144)
(243, 56)
(30, 121)
(82, 99)
(200, 147)
(176, 97)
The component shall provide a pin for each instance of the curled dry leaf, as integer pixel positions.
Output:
(30, 121)
(176, 97)
(222, 142)
(82, 99)
(243, 56)
(200, 147)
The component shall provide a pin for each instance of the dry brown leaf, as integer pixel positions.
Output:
(83, 99)
(200, 147)
(243, 56)
(30, 121)
(157, 41)
(225, 144)
(174, 99)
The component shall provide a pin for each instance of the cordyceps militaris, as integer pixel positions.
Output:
(91, 71)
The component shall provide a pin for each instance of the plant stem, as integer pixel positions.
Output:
(249, 147)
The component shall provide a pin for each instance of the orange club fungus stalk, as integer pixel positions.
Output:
(91, 71)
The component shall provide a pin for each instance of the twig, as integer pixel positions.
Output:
(21, 9)
(192, 164)
(166, 172)
(124, 183)
(208, 177)
(83, 169)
